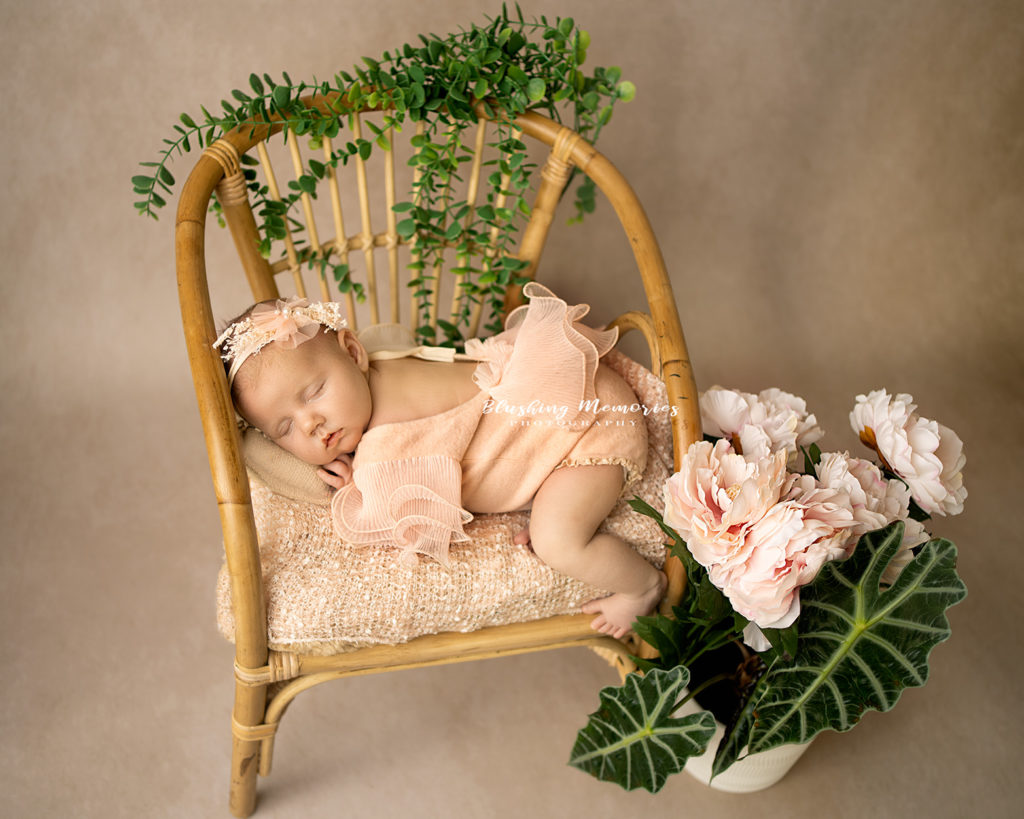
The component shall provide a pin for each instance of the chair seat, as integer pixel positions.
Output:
(325, 596)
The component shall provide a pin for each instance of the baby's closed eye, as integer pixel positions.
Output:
(281, 430)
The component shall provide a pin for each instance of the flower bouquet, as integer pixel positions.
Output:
(813, 591)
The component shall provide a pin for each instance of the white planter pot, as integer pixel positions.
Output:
(753, 773)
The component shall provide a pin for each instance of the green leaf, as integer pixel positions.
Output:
(660, 632)
(733, 744)
(517, 74)
(812, 457)
(256, 83)
(281, 96)
(626, 91)
(633, 739)
(860, 645)
(406, 228)
(784, 641)
(535, 89)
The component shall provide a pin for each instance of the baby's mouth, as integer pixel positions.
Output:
(332, 438)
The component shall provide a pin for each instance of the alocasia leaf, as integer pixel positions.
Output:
(633, 739)
(860, 645)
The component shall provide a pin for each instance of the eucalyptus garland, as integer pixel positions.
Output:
(505, 67)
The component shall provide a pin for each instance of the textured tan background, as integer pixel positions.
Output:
(838, 189)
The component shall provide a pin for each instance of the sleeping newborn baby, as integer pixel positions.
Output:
(527, 419)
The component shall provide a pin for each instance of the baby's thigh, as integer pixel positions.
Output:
(574, 500)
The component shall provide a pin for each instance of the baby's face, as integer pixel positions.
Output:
(314, 400)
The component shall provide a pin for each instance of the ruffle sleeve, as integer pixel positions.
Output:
(414, 503)
(546, 358)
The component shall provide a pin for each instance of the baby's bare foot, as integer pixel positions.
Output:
(617, 612)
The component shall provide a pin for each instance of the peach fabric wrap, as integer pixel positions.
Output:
(545, 402)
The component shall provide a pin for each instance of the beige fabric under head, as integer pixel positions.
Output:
(281, 471)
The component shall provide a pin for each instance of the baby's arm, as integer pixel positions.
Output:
(337, 473)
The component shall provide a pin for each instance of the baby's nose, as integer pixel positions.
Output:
(312, 423)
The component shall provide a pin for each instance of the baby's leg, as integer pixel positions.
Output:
(568, 508)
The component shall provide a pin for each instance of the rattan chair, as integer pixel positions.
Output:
(266, 681)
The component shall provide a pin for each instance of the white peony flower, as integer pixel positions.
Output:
(754, 638)
(807, 429)
(724, 412)
(759, 425)
(925, 454)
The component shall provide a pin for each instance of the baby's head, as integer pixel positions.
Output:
(300, 375)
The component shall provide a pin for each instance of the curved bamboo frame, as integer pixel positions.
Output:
(255, 717)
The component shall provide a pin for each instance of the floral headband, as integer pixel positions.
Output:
(292, 321)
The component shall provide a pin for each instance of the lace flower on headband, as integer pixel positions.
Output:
(291, 322)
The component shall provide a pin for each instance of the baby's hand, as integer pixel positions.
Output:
(337, 473)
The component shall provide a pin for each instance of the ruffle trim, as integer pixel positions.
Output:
(404, 507)
(630, 468)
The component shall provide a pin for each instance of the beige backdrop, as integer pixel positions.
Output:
(837, 187)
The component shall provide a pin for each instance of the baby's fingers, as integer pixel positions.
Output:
(340, 467)
(332, 480)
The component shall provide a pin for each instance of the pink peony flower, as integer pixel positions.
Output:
(717, 495)
(875, 501)
(785, 550)
(924, 453)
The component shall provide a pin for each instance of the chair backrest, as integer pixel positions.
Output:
(369, 256)
(371, 259)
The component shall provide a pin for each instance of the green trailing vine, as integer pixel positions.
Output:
(505, 67)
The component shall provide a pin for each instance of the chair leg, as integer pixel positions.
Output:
(618, 660)
(250, 704)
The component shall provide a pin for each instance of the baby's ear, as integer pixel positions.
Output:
(351, 344)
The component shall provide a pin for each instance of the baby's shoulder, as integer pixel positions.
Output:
(406, 389)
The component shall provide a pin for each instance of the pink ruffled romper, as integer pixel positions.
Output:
(545, 402)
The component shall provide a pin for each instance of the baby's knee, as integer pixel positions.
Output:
(553, 543)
